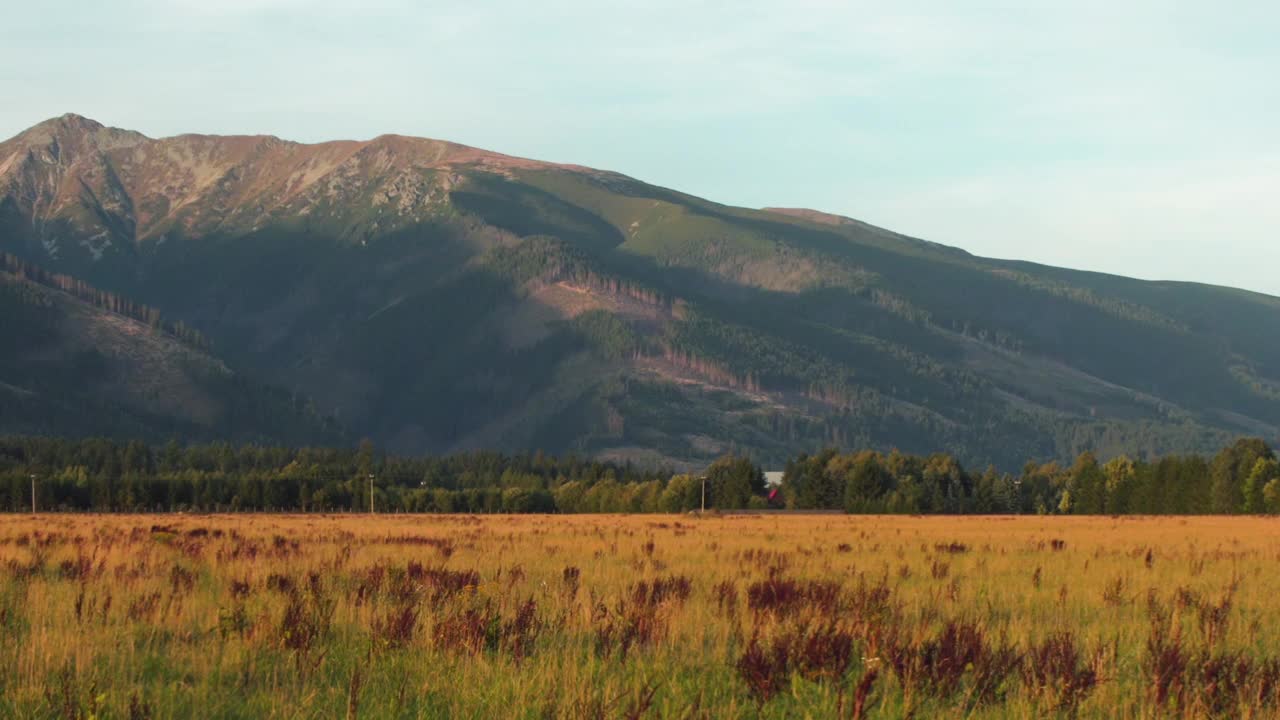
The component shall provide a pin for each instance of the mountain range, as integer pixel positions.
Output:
(436, 297)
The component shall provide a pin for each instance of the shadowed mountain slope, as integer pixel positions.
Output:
(436, 297)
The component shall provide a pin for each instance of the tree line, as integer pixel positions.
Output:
(1242, 478)
(116, 476)
(111, 302)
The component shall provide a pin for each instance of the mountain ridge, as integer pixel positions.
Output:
(437, 296)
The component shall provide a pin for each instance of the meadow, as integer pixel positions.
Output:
(547, 616)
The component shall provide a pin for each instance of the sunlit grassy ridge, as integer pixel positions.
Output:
(613, 616)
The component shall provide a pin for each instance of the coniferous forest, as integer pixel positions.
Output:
(100, 475)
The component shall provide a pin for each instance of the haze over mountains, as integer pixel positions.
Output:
(438, 297)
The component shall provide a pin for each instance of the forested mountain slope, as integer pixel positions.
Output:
(78, 361)
(437, 297)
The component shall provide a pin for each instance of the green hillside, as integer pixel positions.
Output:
(70, 367)
(438, 298)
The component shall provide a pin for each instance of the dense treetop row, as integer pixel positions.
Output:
(99, 298)
(106, 475)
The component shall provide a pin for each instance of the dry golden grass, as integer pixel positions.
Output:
(638, 616)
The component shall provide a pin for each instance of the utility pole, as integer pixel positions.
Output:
(370, 493)
(33, 493)
(704, 494)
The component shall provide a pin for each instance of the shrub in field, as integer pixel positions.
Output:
(181, 580)
(521, 631)
(1165, 661)
(283, 584)
(306, 621)
(661, 590)
(1113, 594)
(1214, 617)
(570, 579)
(473, 630)
(1209, 681)
(726, 594)
(816, 652)
(1056, 671)
(409, 583)
(369, 582)
(1219, 684)
(785, 596)
(764, 668)
(144, 607)
(395, 629)
(630, 625)
(79, 568)
(444, 546)
(283, 547)
(869, 609)
(302, 625)
(822, 651)
(401, 588)
(443, 583)
(483, 629)
(240, 589)
(936, 665)
(772, 561)
(21, 571)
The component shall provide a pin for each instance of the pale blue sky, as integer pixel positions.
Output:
(1134, 137)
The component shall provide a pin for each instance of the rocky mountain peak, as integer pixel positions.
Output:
(72, 134)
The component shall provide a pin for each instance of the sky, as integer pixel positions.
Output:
(1133, 137)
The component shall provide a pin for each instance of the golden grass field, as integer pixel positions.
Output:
(295, 616)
